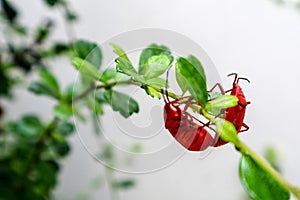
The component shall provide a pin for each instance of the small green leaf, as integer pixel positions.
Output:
(123, 184)
(197, 64)
(42, 89)
(156, 65)
(271, 155)
(119, 102)
(190, 78)
(260, 184)
(124, 66)
(65, 128)
(152, 92)
(63, 111)
(136, 148)
(71, 16)
(88, 51)
(93, 105)
(181, 80)
(51, 3)
(27, 126)
(71, 91)
(86, 68)
(42, 33)
(5, 82)
(153, 50)
(120, 52)
(156, 82)
(107, 153)
(63, 148)
(49, 79)
(224, 101)
(110, 74)
(47, 86)
(215, 111)
(9, 11)
(227, 131)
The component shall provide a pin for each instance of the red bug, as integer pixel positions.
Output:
(235, 114)
(183, 126)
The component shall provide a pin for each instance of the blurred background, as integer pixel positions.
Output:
(258, 39)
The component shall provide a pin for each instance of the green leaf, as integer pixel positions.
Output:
(86, 68)
(71, 16)
(156, 65)
(42, 89)
(107, 153)
(62, 148)
(197, 64)
(110, 74)
(136, 148)
(123, 184)
(153, 50)
(227, 131)
(260, 184)
(88, 51)
(152, 92)
(49, 79)
(5, 82)
(51, 3)
(156, 82)
(120, 102)
(214, 111)
(27, 126)
(71, 91)
(42, 32)
(224, 101)
(47, 86)
(190, 78)
(120, 52)
(9, 11)
(63, 111)
(93, 105)
(124, 66)
(271, 155)
(65, 128)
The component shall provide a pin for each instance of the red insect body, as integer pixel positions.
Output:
(235, 114)
(184, 129)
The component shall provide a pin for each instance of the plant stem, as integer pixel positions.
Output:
(264, 164)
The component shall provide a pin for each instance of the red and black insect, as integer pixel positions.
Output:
(185, 128)
(235, 114)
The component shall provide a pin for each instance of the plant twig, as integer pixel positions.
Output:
(264, 164)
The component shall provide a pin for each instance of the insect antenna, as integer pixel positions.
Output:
(243, 79)
(235, 77)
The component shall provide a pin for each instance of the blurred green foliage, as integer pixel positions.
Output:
(31, 149)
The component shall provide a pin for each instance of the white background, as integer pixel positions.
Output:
(258, 39)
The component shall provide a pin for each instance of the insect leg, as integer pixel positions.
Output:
(219, 86)
(246, 128)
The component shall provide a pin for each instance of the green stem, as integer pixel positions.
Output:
(264, 164)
